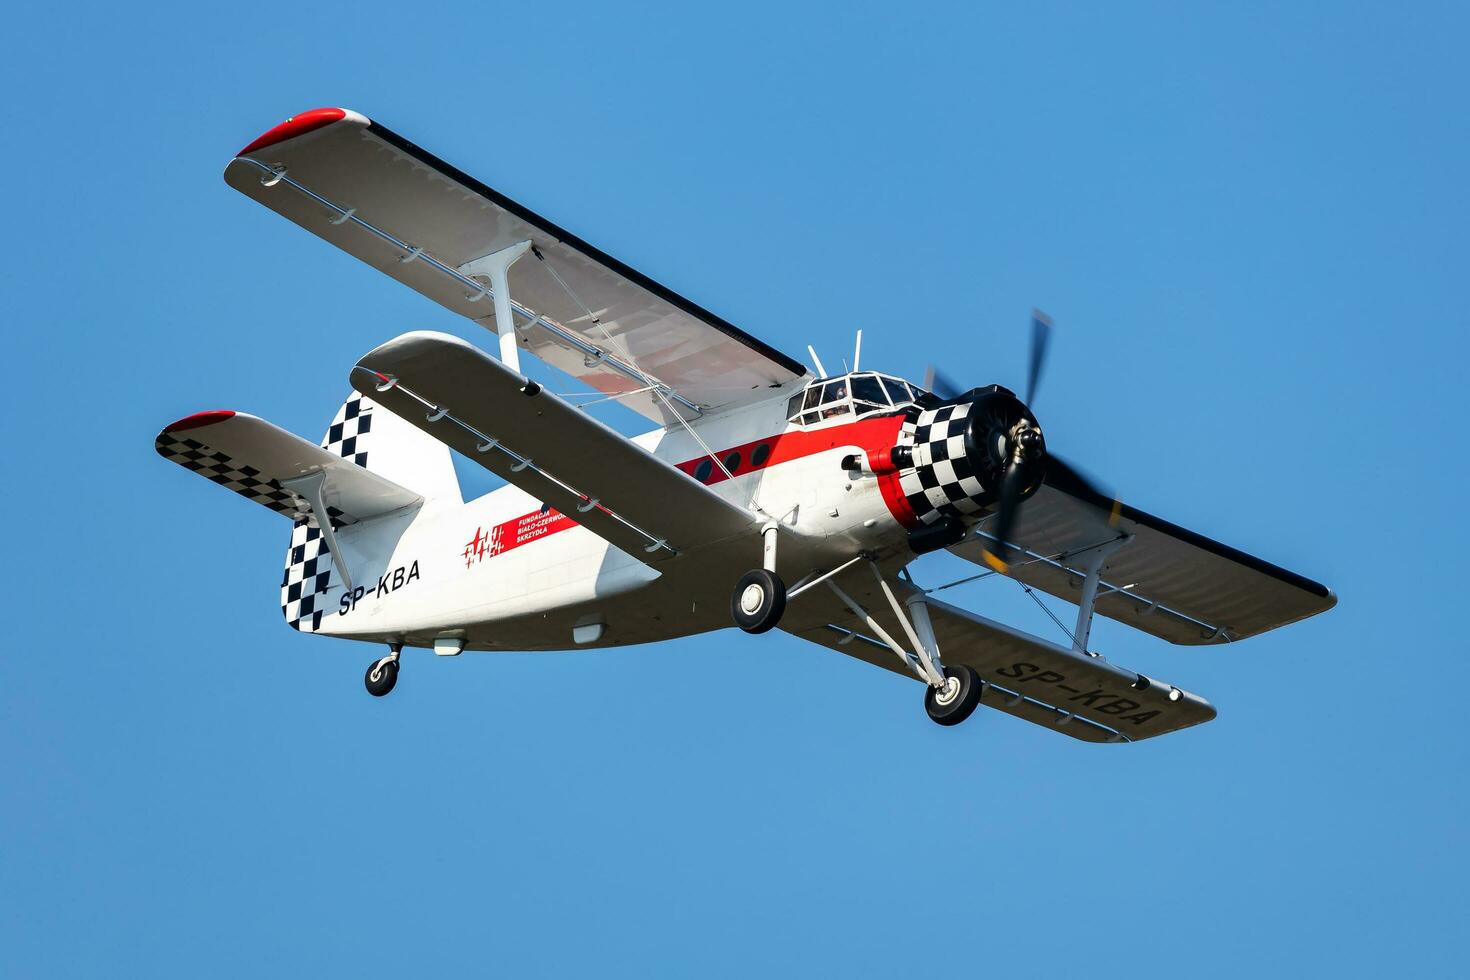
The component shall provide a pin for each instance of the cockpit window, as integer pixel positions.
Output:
(834, 400)
(898, 391)
(868, 390)
(828, 398)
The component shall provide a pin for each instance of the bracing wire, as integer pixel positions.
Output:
(652, 384)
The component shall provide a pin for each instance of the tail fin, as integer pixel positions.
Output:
(381, 442)
(375, 438)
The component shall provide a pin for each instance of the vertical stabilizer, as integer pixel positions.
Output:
(377, 440)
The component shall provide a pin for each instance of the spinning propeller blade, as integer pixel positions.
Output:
(1025, 450)
(1040, 338)
(1065, 476)
(939, 384)
(1010, 491)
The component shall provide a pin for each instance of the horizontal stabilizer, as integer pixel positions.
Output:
(256, 460)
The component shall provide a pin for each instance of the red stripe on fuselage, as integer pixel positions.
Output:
(871, 435)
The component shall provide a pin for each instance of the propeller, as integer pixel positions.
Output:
(1040, 339)
(1026, 450)
(939, 384)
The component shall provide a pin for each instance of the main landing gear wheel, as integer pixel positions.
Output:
(957, 700)
(381, 676)
(759, 601)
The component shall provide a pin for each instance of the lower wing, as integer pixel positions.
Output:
(1077, 694)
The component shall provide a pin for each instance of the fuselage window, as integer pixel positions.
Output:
(703, 470)
(760, 454)
(732, 461)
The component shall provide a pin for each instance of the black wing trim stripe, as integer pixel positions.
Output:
(1072, 488)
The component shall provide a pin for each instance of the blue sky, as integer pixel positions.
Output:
(1248, 223)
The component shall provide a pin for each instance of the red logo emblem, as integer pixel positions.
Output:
(483, 546)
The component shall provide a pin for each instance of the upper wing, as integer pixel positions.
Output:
(409, 214)
(547, 447)
(1167, 581)
(1082, 696)
(254, 458)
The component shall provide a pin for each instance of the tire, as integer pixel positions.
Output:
(387, 676)
(758, 601)
(956, 708)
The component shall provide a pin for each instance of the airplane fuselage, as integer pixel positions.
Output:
(513, 574)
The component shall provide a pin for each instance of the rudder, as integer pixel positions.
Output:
(381, 442)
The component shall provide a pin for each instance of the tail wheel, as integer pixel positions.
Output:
(758, 601)
(381, 676)
(957, 699)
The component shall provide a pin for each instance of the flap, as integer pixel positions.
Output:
(418, 219)
(1085, 697)
(253, 458)
(587, 471)
(1167, 581)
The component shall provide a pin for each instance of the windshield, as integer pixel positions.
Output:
(852, 394)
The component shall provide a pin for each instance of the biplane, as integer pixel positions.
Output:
(769, 495)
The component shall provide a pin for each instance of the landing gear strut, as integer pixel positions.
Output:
(383, 674)
(760, 595)
(957, 699)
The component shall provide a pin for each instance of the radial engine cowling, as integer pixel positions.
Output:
(951, 458)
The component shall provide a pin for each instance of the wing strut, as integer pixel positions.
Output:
(312, 487)
(1088, 599)
(857, 610)
(496, 266)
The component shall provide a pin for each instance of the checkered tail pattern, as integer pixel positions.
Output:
(308, 561)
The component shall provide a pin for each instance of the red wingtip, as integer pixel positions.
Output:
(198, 420)
(302, 122)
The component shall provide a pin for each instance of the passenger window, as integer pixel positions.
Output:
(732, 461)
(760, 454)
(703, 470)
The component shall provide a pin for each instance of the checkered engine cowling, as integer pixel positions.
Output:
(958, 454)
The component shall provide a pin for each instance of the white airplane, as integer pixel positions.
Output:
(760, 474)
